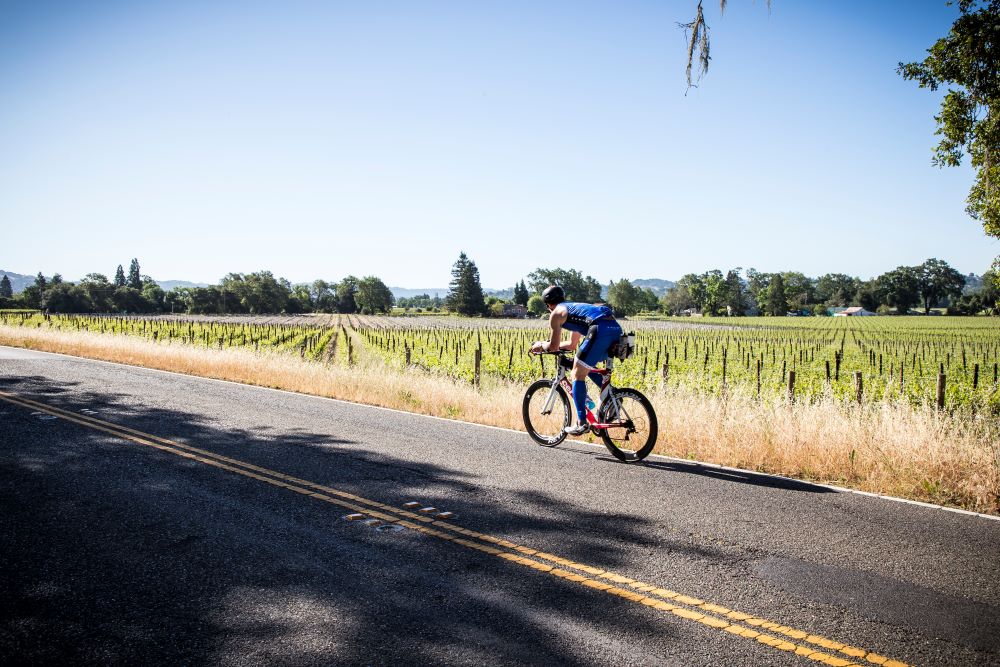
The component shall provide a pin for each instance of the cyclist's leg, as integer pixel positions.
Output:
(594, 348)
(581, 369)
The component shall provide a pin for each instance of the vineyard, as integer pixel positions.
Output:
(947, 362)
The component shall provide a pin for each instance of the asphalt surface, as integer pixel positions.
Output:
(116, 551)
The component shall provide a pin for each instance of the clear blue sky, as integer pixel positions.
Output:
(320, 139)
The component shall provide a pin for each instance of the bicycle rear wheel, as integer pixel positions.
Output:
(634, 427)
(545, 429)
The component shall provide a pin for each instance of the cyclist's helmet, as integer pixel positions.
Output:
(553, 294)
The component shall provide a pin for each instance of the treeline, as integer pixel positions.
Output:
(932, 284)
(237, 293)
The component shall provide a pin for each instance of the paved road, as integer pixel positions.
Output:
(153, 517)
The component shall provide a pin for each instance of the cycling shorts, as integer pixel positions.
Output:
(594, 348)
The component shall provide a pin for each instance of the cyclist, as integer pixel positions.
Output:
(598, 328)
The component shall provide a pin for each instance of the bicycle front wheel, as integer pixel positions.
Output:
(633, 429)
(546, 427)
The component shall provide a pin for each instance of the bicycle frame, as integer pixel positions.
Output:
(605, 395)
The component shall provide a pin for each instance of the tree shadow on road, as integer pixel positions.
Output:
(115, 552)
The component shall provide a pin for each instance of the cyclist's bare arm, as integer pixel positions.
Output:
(556, 320)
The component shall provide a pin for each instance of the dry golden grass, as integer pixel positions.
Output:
(891, 448)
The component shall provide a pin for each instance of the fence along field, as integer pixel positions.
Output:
(946, 362)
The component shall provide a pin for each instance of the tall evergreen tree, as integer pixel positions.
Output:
(134, 279)
(466, 295)
(736, 297)
(6, 291)
(777, 302)
(521, 294)
(120, 277)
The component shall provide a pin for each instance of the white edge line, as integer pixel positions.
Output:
(661, 457)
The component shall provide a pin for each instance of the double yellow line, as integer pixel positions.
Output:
(775, 635)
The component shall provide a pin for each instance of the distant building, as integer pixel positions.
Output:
(514, 310)
(854, 311)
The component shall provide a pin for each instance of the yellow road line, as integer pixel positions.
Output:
(680, 605)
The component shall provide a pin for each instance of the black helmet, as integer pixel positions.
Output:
(553, 294)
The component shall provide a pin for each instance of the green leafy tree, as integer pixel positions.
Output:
(64, 297)
(99, 291)
(120, 277)
(176, 300)
(6, 291)
(300, 300)
(204, 300)
(677, 299)
(798, 288)
(466, 295)
(757, 288)
(648, 300)
(323, 297)
(536, 306)
(521, 294)
(153, 295)
(777, 302)
(255, 293)
(967, 60)
(836, 289)
(938, 280)
(715, 292)
(625, 298)
(128, 300)
(373, 296)
(900, 288)
(575, 286)
(134, 278)
(345, 291)
(870, 295)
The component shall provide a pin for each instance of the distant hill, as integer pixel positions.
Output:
(658, 285)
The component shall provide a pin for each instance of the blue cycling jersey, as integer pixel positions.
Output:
(582, 315)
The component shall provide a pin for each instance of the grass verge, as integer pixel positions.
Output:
(950, 459)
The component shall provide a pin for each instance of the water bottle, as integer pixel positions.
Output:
(590, 404)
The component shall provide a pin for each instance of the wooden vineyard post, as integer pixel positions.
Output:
(350, 352)
(859, 386)
(723, 369)
(942, 382)
(475, 375)
(836, 371)
(791, 386)
(975, 376)
(759, 364)
(406, 351)
(541, 360)
(828, 371)
(666, 367)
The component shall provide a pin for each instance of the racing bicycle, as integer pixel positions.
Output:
(625, 420)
